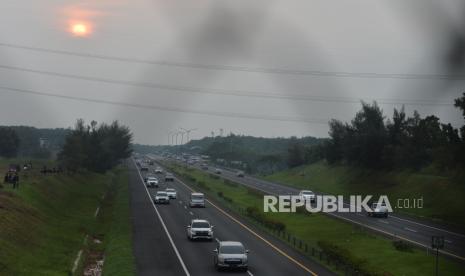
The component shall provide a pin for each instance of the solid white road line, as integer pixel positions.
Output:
(250, 273)
(191, 213)
(163, 223)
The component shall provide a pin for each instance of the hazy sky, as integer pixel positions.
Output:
(263, 68)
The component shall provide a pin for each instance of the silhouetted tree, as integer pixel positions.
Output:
(9, 142)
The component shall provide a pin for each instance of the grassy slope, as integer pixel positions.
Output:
(442, 195)
(119, 259)
(43, 224)
(377, 251)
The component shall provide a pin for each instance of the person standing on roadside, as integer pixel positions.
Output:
(16, 181)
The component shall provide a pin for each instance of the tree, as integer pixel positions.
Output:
(369, 136)
(295, 154)
(9, 142)
(96, 148)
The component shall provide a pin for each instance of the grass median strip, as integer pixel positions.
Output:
(371, 253)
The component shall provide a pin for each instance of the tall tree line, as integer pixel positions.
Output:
(9, 142)
(400, 142)
(95, 147)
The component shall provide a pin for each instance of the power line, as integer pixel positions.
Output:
(229, 92)
(171, 109)
(266, 70)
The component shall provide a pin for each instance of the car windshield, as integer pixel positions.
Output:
(307, 193)
(232, 249)
(197, 196)
(201, 224)
(161, 193)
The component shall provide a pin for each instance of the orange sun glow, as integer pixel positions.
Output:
(80, 29)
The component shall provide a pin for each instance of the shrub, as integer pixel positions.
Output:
(230, 183)
(402, 246)
(228, 199)
(254, 213)
(344, 257)
(255, 192)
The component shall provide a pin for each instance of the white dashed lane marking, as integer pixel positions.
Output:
(410, 229)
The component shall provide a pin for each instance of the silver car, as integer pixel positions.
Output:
(230, 254)
(199, 229)
(161, 197)
(378, 210)
(307, 196)
(197, 200)
(172, 194)
(152, 182)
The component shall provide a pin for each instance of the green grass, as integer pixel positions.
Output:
(119, 259)
(376, 252)
(44, 222)
(442, 195)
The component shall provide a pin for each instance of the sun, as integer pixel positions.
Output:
(80, 29)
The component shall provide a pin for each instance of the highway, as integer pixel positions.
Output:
(161, 246)
(412, 230)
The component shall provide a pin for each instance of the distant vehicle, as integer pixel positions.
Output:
(144, 169)
(378, 210)
(151, 163)
(240, 174)
(158, 170)
(204, 167)
(197, 200)
(169, 177)
(172, 194)
(307, 195)
(230, 254)
(199, 229)
(161, 197)
(218, 171)
(152, 182)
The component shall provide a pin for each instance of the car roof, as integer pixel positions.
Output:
(231, 243)
(306, 191)
(199, 220)
(161, 192)
(171, 189)
(196, 194)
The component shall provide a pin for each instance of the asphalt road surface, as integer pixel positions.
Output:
(161, 246)
(415, 231)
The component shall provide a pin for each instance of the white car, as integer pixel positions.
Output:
(197, 200)
(199, 229)
(307, 196)
(161, 197)
(158, 170)
(172, 194)
(169, 177)
(240, 174)
(378, 210)
(230, 254)
(218, 171)
(152, 182)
